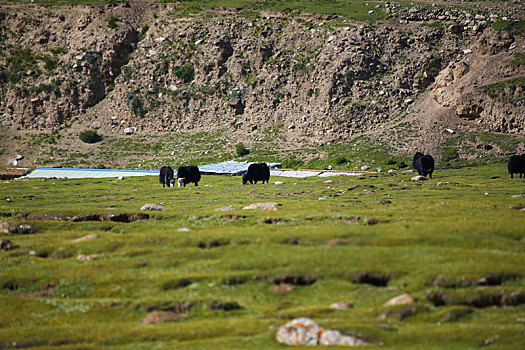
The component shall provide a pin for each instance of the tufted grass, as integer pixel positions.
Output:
(461, 228)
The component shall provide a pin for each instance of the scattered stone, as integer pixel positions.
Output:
(391, 171)
(87, 257)
(450, 131)
(277, 183)
(19, 157)
(6, 245)
(304, 331)
(152, 206)
(4, 227)
(21, 229)
(365, 167)
(517, 196)
(282, 288)
(85, 238)
(183, 229)
(353, 219)
(120, 177)
(489, 341)
(301, 331)
(96, 125)
(386, 201)
(408, 172)
(162, 316)
(6, 123)
(128, 131)
(226, 208)
(400, 300)
(264, 206)
(341, 305)
(419, 178)
(224, 305)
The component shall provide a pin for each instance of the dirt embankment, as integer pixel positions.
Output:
(143, 67)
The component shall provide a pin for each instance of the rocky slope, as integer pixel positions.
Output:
(147, 69)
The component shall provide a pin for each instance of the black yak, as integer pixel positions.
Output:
(166, 176)
(187, 174)
(424, 164)
(516, 165)
(256, 172)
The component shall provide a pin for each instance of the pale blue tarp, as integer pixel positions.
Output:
(229, 167)
(311, 173)
(81, 173)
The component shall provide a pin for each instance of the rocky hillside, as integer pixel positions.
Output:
(425, 77)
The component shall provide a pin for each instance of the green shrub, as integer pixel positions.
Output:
(185, 72)
(112, 22)
(340, 160)
(89, 136)
(135, 104)
(240, 150)
(402, 165)
(50, 63)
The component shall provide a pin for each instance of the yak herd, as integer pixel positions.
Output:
(424, 164)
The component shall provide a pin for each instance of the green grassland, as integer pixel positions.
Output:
(462, 225)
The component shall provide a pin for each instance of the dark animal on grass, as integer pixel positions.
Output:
(166, 177)
(516, 165)
(187, 174)
(424, 164)
(256, 172)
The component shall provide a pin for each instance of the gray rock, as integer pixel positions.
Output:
(419, 178)
(21, 229)
(128, 131)
(152, 206)
(7, 123)
(96, 125)
(304, 331)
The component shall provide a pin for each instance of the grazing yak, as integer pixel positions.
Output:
(187, 174)
(424, 164)
(166, 176)
(256, 172)
(516, 165)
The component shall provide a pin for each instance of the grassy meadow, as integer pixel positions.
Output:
(435, 236)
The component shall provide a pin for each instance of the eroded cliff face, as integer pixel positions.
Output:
(318, 78)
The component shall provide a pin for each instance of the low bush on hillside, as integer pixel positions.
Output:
(240, 150)
(184, 73)
(89, 136)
